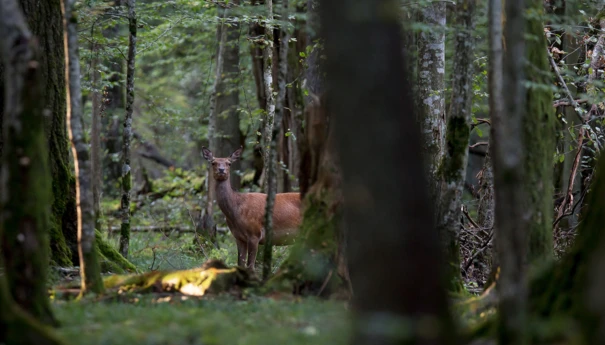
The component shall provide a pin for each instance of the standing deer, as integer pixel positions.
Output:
(245, 212)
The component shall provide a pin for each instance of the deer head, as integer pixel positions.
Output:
(221, 166)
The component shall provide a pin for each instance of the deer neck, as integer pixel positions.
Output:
(226, 198)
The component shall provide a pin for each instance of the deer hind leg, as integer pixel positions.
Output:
(252, 250)
(242, 249)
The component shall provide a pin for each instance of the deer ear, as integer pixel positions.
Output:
(207, 154)
(236, 155)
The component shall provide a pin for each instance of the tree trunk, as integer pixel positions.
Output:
(453, 165)
(19, 327)
(268, 83)
(95, 143)
(227, 133)
(25, 177)
(387, 210)
(127, 134)
(431, 90)
(45, 21)
(282, 64)
(208, 225)
(89, 266)
(538, 142)
(114, 105)
(507, 152)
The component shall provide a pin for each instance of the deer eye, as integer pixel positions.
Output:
(229, 163)
(213, 163)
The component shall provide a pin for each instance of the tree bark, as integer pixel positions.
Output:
(207, 221)
(95, 143)
(25, 177)
(19, 327)
(538, 142)
(507, 152)
(282, 64)
(90, 272)
(227, 132)
(114, 104)
(45, 21)
(386, 204)
(127, 134)
(431, 90)
(453, 165)
(268, 83)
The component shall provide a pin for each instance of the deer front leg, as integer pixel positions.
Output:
(252, 250)
(242, 249)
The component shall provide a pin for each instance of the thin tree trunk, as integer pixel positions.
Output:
(388, 215)
(25, 177)
(208, 224)
(114, 105)
(282, 64)
(453, 165)
(268, 79)
(431, 90)
(127, 135)
(90, 271)
(95, 143)
(507, 153)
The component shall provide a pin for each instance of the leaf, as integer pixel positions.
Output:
(479, 132)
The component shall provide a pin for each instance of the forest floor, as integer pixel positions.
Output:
(173, 319)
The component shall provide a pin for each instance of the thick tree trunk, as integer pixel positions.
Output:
(127, 135)
(25, 177)
(507, 151)
(453, 165)
(389, 286)
(227, 133)
(282, 64)
(89, 266)
(45, 22)
(538, 142)
(431, 90)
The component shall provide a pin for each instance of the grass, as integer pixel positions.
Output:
(218, 321)
(213, 320)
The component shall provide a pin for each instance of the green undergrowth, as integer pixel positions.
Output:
(222, 320)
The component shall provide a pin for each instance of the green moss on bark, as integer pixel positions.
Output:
(539, 141)
(312, 263)
(18, 327)
(458, 133)
(111, 260)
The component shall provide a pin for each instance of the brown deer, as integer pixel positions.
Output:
(245, 212)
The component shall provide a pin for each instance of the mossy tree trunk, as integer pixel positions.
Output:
(127, 131)
(45, 21)
(89, 266)
(388, 214)
(317, 261)
(538, 140)
(508, 154)
(453, 165)
(26, 191)
(574, 286)
(18, 326)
